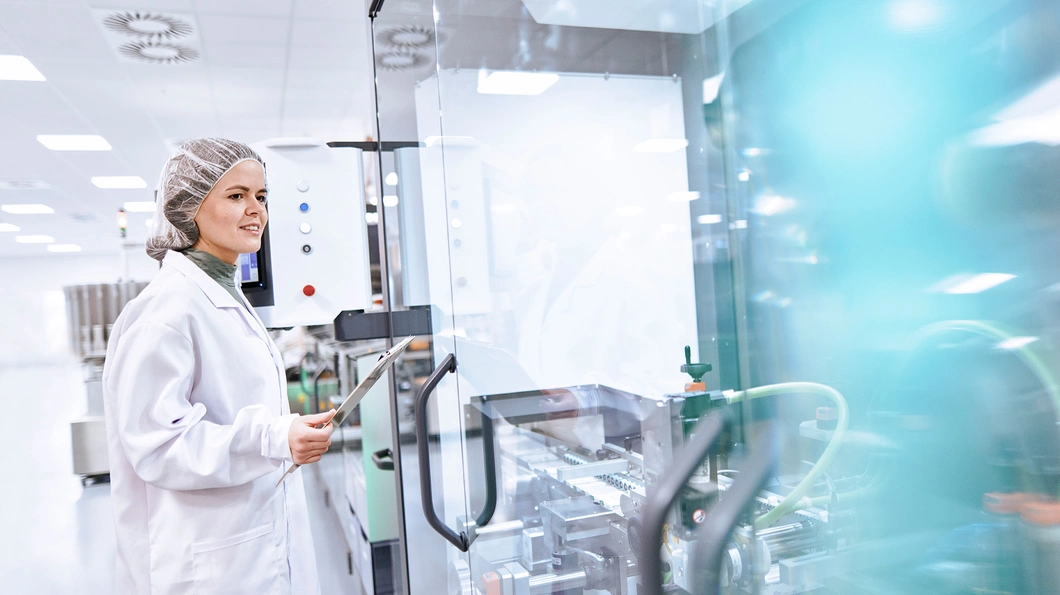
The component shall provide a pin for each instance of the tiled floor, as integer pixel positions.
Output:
(57, 536)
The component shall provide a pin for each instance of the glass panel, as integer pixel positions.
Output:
(575, 165)
(412, 224)
(890, 162)
(842, 206)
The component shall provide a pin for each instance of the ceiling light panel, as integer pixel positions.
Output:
(8, 227)
(74, 142)
(118, 182)
(64, 248)
(145, 206)
(515, 83)
(18, 68)
(27, 209)
(34, 239)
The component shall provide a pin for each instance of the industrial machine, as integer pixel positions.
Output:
(90, 313)
(313, 263)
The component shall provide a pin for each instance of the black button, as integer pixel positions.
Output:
(306, 249)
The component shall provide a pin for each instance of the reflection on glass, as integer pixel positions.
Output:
(845, 207)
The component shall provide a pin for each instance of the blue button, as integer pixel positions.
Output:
(304, 207)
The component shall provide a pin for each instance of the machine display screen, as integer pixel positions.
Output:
(248, 268)
(254, 277)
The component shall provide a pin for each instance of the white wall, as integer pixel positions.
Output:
(33, 327)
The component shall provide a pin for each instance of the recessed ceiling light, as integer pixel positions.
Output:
(18, 68)
(709, 219)
(34, 239)
(32, 209)
(64, 248)
(515, 83)
(114, 182)
(391, 179)
(145, 206)
(661, 145)
(8, 227)
(74, 142)
(682, 196)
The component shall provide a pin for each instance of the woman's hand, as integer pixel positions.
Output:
(307, 442)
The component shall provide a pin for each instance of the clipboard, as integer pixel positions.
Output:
(358, 393)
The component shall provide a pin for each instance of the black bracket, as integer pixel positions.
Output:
(357, 325)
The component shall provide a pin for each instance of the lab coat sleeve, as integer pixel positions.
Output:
(164, 435)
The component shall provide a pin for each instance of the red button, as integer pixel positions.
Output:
(309, 290)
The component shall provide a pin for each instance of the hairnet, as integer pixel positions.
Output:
(186, 179)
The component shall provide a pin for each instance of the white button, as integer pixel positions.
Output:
(305, 228)
(302, 186)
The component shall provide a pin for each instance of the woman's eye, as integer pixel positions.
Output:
(235, 196)
(263, 198)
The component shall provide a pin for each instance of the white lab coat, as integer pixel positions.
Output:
(197, 422)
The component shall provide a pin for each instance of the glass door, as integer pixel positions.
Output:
(409, 215)
(568, 169)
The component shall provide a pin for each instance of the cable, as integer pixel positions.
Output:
(795, 496)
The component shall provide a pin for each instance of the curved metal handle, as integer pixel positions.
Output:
(381, 464)
(705, 435)
(490, 468)
(713, 535)
(460, 540)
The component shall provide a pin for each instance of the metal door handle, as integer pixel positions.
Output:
(706, 434)
(460, 540)
(380, 457)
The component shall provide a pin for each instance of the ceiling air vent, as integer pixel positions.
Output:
(406, 37)
(24, 185)
(147, 24)
(401, 60)
(150, 37)
(155, 52)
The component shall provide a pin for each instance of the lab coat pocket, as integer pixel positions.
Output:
(243, 563)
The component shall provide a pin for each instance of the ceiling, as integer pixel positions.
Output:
(266, 68)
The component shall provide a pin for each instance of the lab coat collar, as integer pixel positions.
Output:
(218, 295)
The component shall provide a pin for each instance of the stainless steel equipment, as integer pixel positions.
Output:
(91, 311)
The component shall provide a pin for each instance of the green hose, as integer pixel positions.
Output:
(795, 496)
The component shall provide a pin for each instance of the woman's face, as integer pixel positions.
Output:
(232, 217)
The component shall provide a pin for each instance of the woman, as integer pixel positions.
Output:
(198, 423)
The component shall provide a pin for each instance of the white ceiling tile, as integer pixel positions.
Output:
(250, 77)
(250, 107)
(351, 35)
(319, 109)
(50, 31)
(307, 95)
(331, 9)
(318, 78)
(319, 58)
(228, 55)
(280, 8)
(142, 5)
(250, 129)
(61, 71)
(256, 30)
